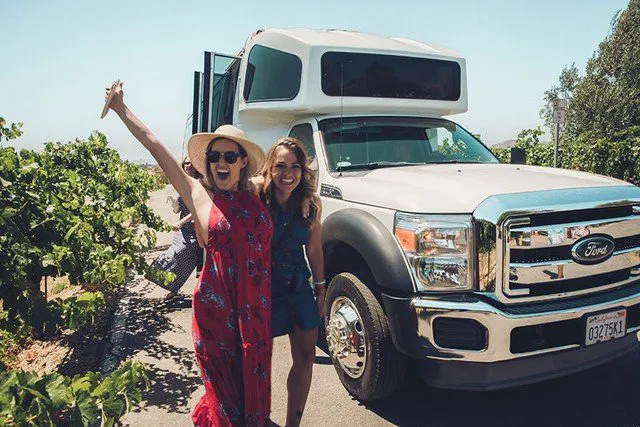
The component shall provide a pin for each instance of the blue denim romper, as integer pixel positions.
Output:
(293, 302)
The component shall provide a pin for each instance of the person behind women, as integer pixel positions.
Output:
(287, 187)
(232, 300)
(182, 256)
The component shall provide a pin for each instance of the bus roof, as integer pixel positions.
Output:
(342, 39)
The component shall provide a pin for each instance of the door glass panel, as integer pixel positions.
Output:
(224, 80)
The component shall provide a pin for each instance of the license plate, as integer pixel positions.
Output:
(606, 326)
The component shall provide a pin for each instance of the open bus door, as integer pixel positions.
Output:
(214, 92)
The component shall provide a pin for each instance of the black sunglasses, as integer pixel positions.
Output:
(229, 156)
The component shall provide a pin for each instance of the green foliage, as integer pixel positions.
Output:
(71, 210)
(503, 154)
(601, 131)
(29, 399)
(9, 346)
(158, 175)
(450, 149)
(529, 138)
(606, 100)
(75, 312)
(11, 132)
(618, 156)
(567, 82)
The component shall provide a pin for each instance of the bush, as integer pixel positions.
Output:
(29, 399)
(71, 210)
(618, 157)
(158, 175)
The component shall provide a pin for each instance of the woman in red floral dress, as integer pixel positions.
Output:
(232, 301)
(232, 313)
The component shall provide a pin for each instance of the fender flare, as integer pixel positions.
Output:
(375, 244)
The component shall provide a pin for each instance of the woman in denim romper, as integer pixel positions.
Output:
(287, 188)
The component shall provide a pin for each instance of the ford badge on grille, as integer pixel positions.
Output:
(593, 249)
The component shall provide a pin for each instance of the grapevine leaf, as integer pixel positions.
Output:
(48, 260)
(57, 389)
(30, 167)
(111, 409)
(71, 231)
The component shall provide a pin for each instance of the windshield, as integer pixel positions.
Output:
(371, 142)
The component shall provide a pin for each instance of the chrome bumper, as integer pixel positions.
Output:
(499, 325)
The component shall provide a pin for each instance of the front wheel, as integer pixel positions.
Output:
(359, 340)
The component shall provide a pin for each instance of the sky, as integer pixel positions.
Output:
(57, 56)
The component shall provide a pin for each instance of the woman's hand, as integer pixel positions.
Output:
(175, 206)
(320, 291)
(176, 226)
(117, 102)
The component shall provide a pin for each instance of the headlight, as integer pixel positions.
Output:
(438, 249)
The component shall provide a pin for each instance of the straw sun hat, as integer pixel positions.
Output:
(198, 143)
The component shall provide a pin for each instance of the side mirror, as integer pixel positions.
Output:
(518, 156)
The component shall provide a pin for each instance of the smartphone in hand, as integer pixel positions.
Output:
(107, 102)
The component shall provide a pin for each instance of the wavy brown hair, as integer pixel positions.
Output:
(304, 190)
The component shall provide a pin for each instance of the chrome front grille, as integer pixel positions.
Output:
(538, 263)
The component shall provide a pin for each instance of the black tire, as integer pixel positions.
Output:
(385, 367)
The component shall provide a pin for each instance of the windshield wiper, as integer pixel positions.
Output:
(448, 162)
(376, 165)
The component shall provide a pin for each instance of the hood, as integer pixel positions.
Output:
(457, 188)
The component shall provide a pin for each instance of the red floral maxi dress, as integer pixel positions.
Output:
(232, 314)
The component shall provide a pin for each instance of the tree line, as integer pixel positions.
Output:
(601, 133)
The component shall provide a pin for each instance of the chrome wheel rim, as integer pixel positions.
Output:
(346, 337)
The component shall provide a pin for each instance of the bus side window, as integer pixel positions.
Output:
(304, 132)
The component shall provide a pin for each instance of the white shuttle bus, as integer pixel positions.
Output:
(488, 275)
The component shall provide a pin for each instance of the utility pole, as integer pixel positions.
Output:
(559, 107)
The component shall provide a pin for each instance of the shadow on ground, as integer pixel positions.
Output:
(323, 360)
(171, 368)
(604, 396)
(171, 391)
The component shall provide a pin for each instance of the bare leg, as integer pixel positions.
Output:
(303, 353)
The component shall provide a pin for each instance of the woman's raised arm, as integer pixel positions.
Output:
(194, 195)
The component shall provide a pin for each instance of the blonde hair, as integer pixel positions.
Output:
(306, 187)
(207, 177)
